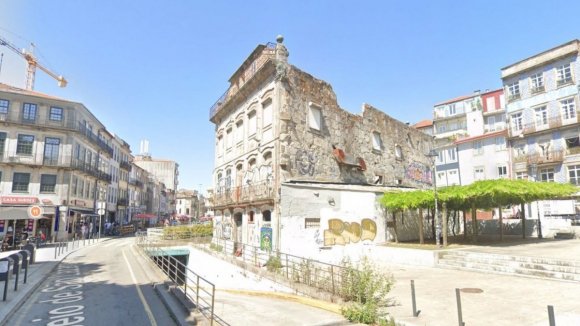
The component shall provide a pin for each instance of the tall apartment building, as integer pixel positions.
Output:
(296, 172)
(542, 108)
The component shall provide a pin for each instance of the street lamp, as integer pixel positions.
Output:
(534, 168)
(433, 154)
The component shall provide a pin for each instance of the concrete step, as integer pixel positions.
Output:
(552, 266)
(523, 259)
(507, 270)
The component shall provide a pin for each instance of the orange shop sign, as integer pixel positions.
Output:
(18, 200)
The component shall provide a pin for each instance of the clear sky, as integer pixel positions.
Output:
(151, 69)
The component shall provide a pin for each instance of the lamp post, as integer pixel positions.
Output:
(433, 154)
(534, 167)
(199, 202)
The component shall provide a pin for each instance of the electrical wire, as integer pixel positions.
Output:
(44, 59)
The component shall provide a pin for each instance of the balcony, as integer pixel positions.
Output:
(551, 156)
(132, 181)
(122, 202)
(126, 166)
(538, 89)
(90, 169)
(268, 52)
(139, 184)
(262, 190)
(551, 123)
(514, 97)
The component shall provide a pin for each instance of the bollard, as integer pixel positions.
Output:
(551, 316)
(415, 312)
(58, 244)
(55, 247)
(459, 314)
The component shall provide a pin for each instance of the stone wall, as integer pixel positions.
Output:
(308, 153)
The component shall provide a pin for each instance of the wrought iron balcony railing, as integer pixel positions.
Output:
(564, 81)
(538, 89)
(550, 156)
(550, 123)
(122, 202)
(239, 194)
(126, 166)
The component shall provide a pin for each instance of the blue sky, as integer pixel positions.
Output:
(152, 69)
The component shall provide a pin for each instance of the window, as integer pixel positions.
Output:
(521, 176)
(240, 131)
(502, 171)
(24, 145)
(315, 118)
(74, 186)
(547, 175)
(77, 150)
(572, 144)
(477, 148)
(266, 216)
(478, 173)
(568, 109)
(441, 179)
(229, 138)
(377, 144)
(267, 113)
(47, 183)
(20, 182)
(574, 174)
(490, 103)
(517, 122)
(252, 123)
(88, 190)
(55, 114)
(564, 74)
(491, 123)
(451, 157)
(440, 157)
(81, 188)
(251, 216)
(537, 82)
(541, 114)
(442, 128)
(463, 124)
(398, 151)
(2, 143)
(220, 145)
(453, 126)
(29, 113)
(4, 105)
(312, 223)
(452, 177)
(452, 110)
(500, 143)
(51, 151)
(514, 91)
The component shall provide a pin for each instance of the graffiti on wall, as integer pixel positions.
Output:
(317, 238)
(257, 174)
(305, 162)
(419, 173)
(266, 239)
(341, 233)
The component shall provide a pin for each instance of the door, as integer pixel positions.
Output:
(238, 221)
(51, 151)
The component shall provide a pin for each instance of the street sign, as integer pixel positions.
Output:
(35, 211)
(101, 211)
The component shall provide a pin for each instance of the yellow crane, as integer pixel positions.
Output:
(32, 64)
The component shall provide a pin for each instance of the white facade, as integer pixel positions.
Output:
(484, 158)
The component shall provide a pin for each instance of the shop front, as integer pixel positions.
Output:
(27, 215)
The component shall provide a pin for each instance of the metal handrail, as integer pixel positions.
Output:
(195, 287)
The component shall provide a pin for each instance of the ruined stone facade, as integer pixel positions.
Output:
(278, 124)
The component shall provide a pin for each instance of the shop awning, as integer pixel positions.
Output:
(84, 211)
(15, 214)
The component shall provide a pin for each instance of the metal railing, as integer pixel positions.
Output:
(549, 123)
(268, 52)
(253, 191)
(126, 165)
(195, 288)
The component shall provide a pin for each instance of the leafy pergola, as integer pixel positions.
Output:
(485, 194)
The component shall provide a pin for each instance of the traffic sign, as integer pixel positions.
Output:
(35, 211)
(101, 211)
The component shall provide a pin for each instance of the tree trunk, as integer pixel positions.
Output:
(474, 222)
(500, 224)
(433, 224)
(395, 226)
(455, 227)
(444, 206)
(523, 216)
(464, 224)
(421, 239)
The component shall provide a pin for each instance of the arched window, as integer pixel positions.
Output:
(228, 181)
(251, 216)
(252, 164)
(267, 158)
(267, 216)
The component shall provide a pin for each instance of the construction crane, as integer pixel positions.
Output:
(32, 64)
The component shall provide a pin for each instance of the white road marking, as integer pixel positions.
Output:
(145, 305)
(124, 243)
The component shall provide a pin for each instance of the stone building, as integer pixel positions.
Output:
(282, 141)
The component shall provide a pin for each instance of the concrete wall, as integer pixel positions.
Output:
(514, 227)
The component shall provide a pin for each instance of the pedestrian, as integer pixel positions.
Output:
(42, 239)
(91, 230)
(84, 229)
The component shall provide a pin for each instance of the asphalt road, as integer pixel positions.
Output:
(97, 285)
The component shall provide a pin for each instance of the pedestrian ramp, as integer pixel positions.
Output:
(545, 268)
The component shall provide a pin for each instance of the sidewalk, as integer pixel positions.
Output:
(37, 273)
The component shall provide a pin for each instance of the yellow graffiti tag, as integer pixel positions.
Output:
(341, 233)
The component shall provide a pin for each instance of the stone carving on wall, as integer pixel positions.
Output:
(341, 233)
(305, 162)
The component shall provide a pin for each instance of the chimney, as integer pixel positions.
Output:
(477, 92)
(407, 123)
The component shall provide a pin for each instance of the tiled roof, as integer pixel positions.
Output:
(16, 90)
(489, 134)
(422, 124)
(464, 97)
